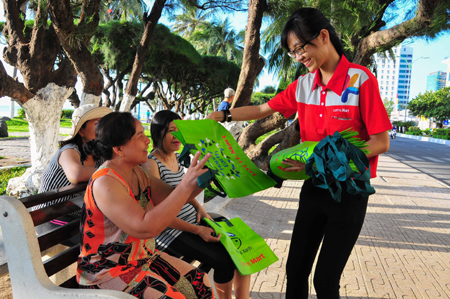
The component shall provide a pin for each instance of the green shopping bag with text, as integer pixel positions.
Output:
(248, 250)
(230, 167)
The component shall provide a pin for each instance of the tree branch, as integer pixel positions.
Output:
(391, 37)
(13, 89)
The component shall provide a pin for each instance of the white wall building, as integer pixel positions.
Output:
(447, 62)
(394, 77)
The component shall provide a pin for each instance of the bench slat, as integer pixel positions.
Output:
(44, 197)
(71, 283)
(62, 260)
(59, 234)
(57, 210)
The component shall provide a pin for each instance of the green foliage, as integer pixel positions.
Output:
(441, 133)
(21, 113)
(389, 106)
(67, 113)
(171, 50)
(218, 38)
(7, 174)
(269, 89)
(406, 124)
(432, 105)
(259, 98)
(209, 84)
(114, 44)
(414, 131)
(283, 85)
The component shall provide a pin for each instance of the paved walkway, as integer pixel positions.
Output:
(403, 250)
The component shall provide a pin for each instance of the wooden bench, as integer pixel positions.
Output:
(29, 275)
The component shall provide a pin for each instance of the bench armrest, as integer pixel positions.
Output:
(28, 277)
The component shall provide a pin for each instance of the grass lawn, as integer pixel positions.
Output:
(6, 174)
(21, 125)
(17, 125)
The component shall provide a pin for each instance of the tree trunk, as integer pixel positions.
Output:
(252, 62)
(285, 138)
(150, 24)
(75, 39)
(43, 115)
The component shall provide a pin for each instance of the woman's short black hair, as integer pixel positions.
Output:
(307, 22)
(78, 141)
(113, 129)
(160, 126)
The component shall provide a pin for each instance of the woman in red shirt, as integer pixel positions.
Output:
(335, 95)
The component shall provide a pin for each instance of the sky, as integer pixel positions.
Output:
(437, 50)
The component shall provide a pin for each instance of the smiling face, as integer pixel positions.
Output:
(170, 143)
(314, 56)
(136, 148)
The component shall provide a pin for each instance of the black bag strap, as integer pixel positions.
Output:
(184, 158)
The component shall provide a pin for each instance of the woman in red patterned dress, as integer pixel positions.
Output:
(120, 220)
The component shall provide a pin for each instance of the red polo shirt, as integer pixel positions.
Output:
(351, 99)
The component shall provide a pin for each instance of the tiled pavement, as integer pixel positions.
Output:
(403, 250)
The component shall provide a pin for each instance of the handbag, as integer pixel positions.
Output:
(248, 250)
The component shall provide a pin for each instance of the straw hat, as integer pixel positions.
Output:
(83, 114)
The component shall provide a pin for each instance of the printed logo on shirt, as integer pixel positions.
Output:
(349, 87)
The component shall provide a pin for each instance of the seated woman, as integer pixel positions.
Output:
(183, 235)
(119, 220)
(70, 164)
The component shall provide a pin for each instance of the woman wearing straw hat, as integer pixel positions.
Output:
(70, 164)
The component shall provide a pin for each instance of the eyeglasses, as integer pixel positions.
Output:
(300, 50)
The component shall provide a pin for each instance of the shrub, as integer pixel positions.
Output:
(67, 113)
(444, 132)
(21, 113)
(7, 174)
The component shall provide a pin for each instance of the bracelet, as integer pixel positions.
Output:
(224, 116)
(228, 115)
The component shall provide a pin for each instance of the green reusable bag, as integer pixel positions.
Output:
(300, 152)
(248, 250)
(336, 160)
(236, 174)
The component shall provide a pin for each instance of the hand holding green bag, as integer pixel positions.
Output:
(236, 174)
(335, 160)
(248, 250)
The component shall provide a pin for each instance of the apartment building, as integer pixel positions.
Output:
(394, 75)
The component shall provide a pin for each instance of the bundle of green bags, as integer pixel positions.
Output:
(335, 160)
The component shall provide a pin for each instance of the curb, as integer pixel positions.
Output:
(216, 204)
(427, 139)
(14, 138)
(20, 165)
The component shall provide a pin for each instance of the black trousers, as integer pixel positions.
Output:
(211, 253)
(336, 225)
